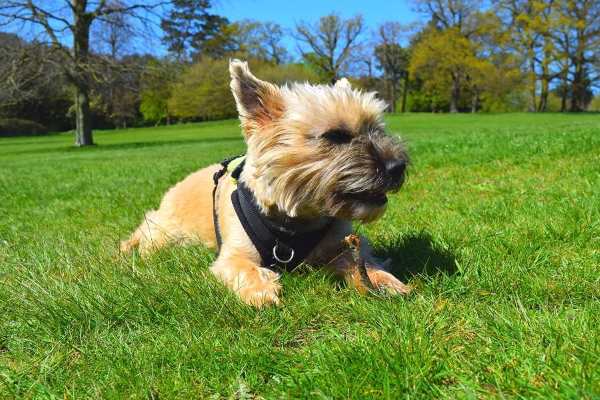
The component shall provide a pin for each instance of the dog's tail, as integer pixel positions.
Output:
(127, 246)
(136, 239)
(153, 233)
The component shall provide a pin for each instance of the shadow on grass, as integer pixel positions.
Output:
(129, 145)
(418, 254)
(136, 145)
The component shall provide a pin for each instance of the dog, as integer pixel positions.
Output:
(317, 159)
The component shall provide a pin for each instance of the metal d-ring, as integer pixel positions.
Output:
(276, 257)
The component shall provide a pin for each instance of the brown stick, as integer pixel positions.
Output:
(353, 242)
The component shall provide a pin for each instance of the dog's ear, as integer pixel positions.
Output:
(258, 102)
(343, 84)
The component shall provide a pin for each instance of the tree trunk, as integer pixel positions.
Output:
(475, 102)
(81, 44)
(404, 91)
(563, 100)
(83, 123)
(532, 84)
(544, 94)
(578, 86)
(545, 78)
(564, 88)
(393, 97)
(455, 95)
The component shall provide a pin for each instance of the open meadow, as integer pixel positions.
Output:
(497, 228)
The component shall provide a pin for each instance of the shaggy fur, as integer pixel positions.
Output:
(314, 151)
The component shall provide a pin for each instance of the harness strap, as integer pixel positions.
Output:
(278, 247)
(216, 177)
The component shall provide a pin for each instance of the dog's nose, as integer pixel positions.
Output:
(395, 169)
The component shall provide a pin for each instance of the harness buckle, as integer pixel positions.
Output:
(278, 259)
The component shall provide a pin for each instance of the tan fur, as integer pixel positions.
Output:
(293, 171)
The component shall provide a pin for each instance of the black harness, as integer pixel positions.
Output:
(281, 244)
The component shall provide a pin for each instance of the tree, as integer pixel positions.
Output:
(583, 37)
(20, 69)
(115, 89)
(191, 30)
(446, 62)
(31, 84)
(116, 93)
(559, 39)
(330, 43)
(546, 23)
(495, 75)
(260, 41)
(112, 34)
(54, 20)
(157, 84)
(460, 19)
(270, 35)
(442, 60)
(203, 91)
(460, 15)
(393, 60)
(529, 22)
(493, 82)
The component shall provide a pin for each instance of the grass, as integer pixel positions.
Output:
(498, 229)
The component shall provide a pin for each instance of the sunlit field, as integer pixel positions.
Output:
(497, 228)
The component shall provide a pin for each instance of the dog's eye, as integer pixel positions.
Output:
(338, 136)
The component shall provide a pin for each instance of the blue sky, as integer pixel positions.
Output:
(287, 13)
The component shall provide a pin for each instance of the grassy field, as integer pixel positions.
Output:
(498, 229)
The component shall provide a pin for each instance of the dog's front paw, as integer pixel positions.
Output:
(262, 292)
(385, 281)
(261, 296)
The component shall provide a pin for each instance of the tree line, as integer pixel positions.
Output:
(79, 66)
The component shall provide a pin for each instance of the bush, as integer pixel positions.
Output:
(202, 92)
(425, 102)
(284, 73)
(595, 104)
(21, 127)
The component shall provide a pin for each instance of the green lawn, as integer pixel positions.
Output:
(498, 229)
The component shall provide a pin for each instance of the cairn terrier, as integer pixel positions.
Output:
(317, 158)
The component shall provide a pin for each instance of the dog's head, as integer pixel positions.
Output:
(316, 150)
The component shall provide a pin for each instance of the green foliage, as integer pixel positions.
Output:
(554, 102)
(511, 102)
(441, 60)
(496, 228)
(449, 65)
(157, 86)
(315, 62)
(154, 105)
(203, 92)
(286, 73)
(595, 104)
(419, 101)
(21, 127)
